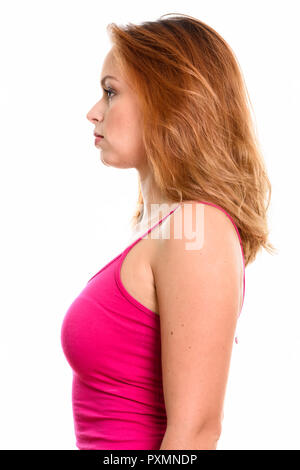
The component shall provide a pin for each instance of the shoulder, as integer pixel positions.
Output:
(196, 228)
(200, 247)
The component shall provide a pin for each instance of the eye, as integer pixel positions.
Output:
(107, 91)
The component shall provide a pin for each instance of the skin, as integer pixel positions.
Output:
(199, 292)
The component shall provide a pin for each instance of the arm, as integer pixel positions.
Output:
(199, 296)
(205, 440)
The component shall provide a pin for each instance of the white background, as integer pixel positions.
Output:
(64, 214)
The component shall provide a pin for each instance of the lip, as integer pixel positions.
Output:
(98, 139)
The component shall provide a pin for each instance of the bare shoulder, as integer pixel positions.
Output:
(197, 229)
(200, 250)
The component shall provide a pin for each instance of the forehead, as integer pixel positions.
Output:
(110, 66)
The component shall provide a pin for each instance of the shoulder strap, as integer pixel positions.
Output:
(159, 222)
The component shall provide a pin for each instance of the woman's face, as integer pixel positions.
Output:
(117, 117)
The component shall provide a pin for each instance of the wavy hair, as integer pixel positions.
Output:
(198, 133)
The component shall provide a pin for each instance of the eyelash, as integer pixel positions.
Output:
(108, 90)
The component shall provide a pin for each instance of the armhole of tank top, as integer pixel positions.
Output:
(118, 266)
(126, 251)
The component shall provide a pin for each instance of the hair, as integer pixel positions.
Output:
(198, 133)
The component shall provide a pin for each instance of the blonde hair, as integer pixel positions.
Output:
(198, 132)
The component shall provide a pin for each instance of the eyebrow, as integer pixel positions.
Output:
(107, 76)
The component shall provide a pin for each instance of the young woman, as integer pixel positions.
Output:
(150, 336)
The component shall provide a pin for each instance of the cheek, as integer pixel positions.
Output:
(124, 130)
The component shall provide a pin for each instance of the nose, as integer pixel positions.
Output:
(95, 114)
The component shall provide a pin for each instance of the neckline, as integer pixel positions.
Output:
(122, 254)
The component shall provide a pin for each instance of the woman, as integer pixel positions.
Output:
(150, 337)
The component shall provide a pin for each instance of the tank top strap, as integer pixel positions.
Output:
(159, 222)
(151, 228)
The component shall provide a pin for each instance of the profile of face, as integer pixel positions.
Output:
(117, 117)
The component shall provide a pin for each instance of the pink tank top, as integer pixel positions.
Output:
(112, 343)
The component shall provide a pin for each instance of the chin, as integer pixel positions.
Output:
(104, 161)
(116, 163)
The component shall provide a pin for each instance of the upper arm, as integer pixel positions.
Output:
(199, 297)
